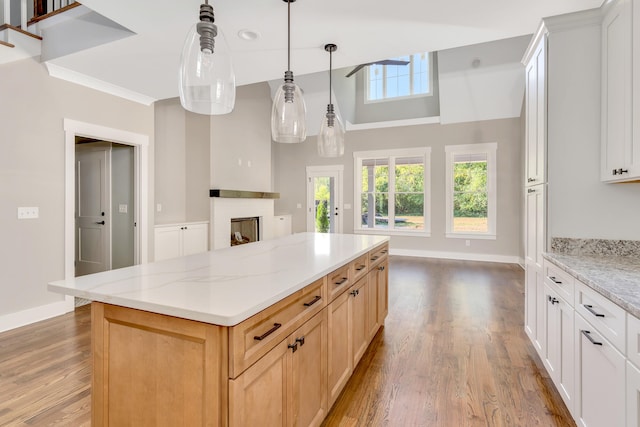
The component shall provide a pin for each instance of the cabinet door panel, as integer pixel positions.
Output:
(359, 319)
(371, 295)
(309, 374)
(633, 396)
(340, 358)
(600, 379)
(259, 396)
(195, 239)
(383, 291)
(167, 242)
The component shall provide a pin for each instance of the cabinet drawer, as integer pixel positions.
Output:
(359, 267)
(378, 255)
(605, 316)
(633, 339)
(338, 281)
(559, 280)
(253, 338)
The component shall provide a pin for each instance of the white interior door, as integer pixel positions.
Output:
(324, 199)
(93, 213)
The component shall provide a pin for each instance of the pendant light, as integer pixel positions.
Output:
(207, 82)
(331, 136)
(288, 115)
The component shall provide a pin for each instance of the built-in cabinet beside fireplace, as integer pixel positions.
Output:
(175, 240)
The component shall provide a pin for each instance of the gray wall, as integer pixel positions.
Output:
(411, 108)
(182, 164)
(122, 193)
(32, 173)
(580, 206)
(241, 142)
(290, 161)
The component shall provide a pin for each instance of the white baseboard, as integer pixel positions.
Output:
(457, 255)
(35, 314)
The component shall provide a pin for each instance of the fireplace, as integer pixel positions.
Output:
(245, 230)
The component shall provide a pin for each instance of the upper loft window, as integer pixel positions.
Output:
(391, 82)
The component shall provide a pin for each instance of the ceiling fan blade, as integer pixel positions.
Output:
(355, 70)
(391, 62)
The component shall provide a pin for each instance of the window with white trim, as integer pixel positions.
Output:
(385, 82)
(392, 191)
(471, 191)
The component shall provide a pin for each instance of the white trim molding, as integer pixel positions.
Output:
(463, 256)
(97, 84)
(393, 123)
(35, 314)
(140, 142)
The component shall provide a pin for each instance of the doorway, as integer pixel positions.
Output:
(105, 207)
(139, 143)
(324, 198)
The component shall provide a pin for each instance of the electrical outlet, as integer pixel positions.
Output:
(347, 206)
(28, 212)
(159, 207)
(467, 242)
(122, 208)
(299, 205)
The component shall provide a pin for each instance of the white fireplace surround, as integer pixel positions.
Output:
(223, 209)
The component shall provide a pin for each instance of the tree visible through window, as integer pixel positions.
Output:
(392, 190)
(396, 81)
(471, 190)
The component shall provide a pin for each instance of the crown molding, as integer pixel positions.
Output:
(99, 85)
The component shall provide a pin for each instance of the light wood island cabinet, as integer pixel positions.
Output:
(284, 366)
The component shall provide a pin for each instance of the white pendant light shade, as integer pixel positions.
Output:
(288, 115)
(207, 81)
(331, 136)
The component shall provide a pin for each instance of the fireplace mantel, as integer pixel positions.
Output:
(240, 194)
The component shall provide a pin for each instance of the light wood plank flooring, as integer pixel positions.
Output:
(452, 353)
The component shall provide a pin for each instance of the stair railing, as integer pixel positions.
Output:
(45, 8)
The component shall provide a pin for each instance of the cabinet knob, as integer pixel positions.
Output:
(531, 190)
(615, 171)
(293, 347)
(531, 180)
(381, 268)
(300, 340)
(354, 292)
(621, 171)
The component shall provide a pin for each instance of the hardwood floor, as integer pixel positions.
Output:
(452, 353)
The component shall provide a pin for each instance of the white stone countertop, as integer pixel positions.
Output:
(615, 277)
(226, 286)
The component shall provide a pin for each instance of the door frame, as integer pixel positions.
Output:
(140, 143)
(335, 171)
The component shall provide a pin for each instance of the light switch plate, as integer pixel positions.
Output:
(122, 208)
(347, 206)
(28, 212)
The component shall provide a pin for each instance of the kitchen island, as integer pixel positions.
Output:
(260, 334)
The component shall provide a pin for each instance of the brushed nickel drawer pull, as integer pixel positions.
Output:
(361, 267)
(340, 282)
(592, 311)
(588, 335)
(313, 301)
(269, 332)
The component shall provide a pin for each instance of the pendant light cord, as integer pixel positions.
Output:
(289, 35)
(330, 67)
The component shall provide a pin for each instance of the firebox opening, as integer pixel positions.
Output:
(245, 230)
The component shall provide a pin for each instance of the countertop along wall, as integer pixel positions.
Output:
(290, 161)
(32, 173)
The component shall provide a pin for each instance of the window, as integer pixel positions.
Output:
(385, 82)
(392, 191)
(471, 191)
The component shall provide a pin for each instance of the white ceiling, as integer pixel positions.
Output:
(364, 30)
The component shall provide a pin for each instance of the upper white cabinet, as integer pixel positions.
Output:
(620, 94)
(176, 240)
(536, 100)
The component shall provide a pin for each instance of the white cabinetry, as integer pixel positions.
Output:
(600, 378)
(536, 101)
(633, 373)
(176, 240)
(620, 97)
(534, 280)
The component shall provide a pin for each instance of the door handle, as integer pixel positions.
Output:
(100, 222)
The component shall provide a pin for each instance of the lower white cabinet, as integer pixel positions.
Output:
(633, 395)
(559, 346)
(174, 240)
(600, 378)
(534, 307)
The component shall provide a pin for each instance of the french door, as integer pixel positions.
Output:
(324, 198)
